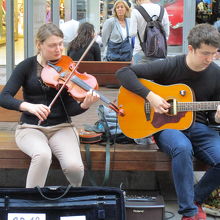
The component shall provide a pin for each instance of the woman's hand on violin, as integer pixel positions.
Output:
(91, 97)
(40, 110)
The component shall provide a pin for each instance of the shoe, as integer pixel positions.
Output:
(188, 218)
(201, 215)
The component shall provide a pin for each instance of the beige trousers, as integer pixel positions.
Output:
(41, 142)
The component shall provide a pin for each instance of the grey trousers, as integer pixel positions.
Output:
(41, 142)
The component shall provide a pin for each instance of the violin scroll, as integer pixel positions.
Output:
(119, 111)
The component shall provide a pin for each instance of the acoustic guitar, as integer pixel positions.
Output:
(140, 120)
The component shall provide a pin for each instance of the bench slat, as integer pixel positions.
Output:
(127, 158)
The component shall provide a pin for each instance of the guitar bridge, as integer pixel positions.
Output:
(147, 110)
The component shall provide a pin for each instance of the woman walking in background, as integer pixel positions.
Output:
(115, 34)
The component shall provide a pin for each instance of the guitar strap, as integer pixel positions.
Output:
(107, 164)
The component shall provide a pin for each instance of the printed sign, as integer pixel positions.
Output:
(26, 216)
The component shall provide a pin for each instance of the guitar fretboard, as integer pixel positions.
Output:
(197, 106)
(191, 106)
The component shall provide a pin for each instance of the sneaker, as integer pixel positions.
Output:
(189, 218)
(201, 215)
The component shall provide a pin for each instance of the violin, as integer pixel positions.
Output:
(55, 74)
(63, 73)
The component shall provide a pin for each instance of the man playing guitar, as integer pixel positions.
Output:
(197, 71)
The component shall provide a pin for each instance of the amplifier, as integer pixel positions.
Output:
(145, 208)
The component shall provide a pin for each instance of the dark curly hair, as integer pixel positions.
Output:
(204, 33)
(84, 36)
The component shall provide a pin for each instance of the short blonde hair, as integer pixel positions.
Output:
(128, 10)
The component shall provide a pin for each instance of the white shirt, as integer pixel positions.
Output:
(138, 23)
(124, 32)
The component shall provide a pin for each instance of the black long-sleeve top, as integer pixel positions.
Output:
(173, 70)
(25, 75)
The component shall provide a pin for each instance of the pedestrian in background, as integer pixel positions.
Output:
(115, 34)
(138, 24)
(78, 45)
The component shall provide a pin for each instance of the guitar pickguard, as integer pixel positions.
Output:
(162, 119)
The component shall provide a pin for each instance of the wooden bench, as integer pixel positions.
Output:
(123, 157)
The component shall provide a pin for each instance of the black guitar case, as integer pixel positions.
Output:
(62, 203)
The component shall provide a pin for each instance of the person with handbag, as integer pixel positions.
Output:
(115, 34)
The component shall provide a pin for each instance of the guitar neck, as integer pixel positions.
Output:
(197, 106)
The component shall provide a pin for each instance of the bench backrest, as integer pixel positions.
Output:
(104, 71)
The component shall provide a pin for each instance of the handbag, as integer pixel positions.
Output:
(62, 203)
(121, 51)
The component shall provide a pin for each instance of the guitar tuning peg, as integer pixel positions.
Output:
(182, 92)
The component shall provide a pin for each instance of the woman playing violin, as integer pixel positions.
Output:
(56, 134)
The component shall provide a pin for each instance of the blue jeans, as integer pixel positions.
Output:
(201, 142)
